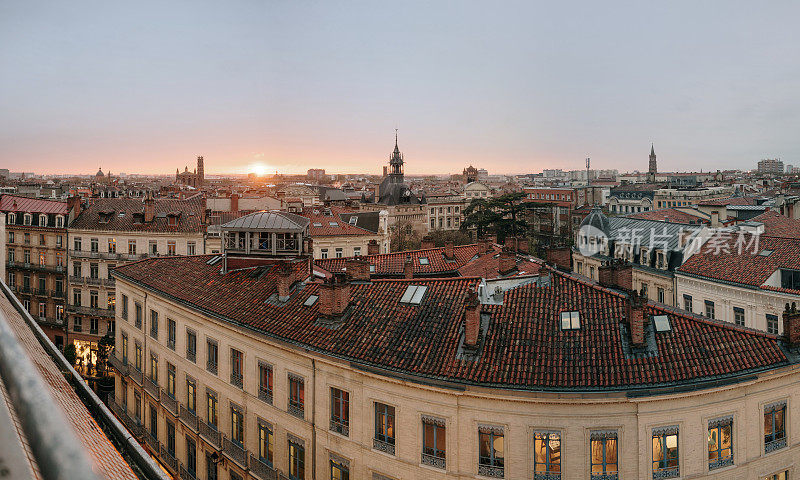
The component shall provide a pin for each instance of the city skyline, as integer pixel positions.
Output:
(513, 89)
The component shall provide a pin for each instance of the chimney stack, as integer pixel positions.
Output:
(408, 268)
(149, 208)
(427, 242)
(285, 280)
(511, 242)
(334, 295)
(522, 245)
(74, 206)
(449, 254)
(234, 202)
(791, 325)
(472, 319)
(357, 270)
(561, 257)
(616, 274)
(507, 261)
(372, 247)
(635, 314)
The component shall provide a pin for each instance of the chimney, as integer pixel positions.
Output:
(427, 242)
(472, 319)
(308, 246)
(149, 208)
(561, 257)
(448, 250)
(616, 274)
(373, 248)
(234, 202)
(605, 275)
(334, 295)
(634, 311)
(791, 325)
(507, 261)
(357, 270)
(511, 242)
(408, 268)
(285, 280)
(522, 245)
(74, 205)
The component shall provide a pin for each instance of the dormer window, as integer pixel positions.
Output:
(372, 269)
(42, 220)
(570, 320)
(317, 224)
(413, 294)
(60, 221)
(662, 323)
(173, 221)
(27, 219)
(11, 219)
(353, 220)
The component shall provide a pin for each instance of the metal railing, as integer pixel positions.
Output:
(169, 402)
(235, 452)
(261, 469)
(117, 364)
(151, 387)
(135, 375)
(168, 459)
(210, 434)
(188, 418)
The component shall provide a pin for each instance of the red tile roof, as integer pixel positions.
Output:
(391, 264)
(721, 202)
(672, 215)
(777, 225)
(488, 266)
(523, 346)
(190, 213)
(331, 225)
(14, 203)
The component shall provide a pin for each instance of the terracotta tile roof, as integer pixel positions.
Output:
(14, 203)
(721, 258)
(391, 264)
(332, 225)
(190, 214)
(777, 225)
(488, 266)
(672, 215)
(101, 451)
(721, 202)
(523, 346)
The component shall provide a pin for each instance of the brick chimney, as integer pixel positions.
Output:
(308, 246)
(448, 250)
(560, 256)
(616, 274)
(334, 295)
(511, 242)
(507, 261)
(285, 280)
(408, 268)
(74, 206)
(373, 248)
(791, 325)
(427, 242)
(472, 319)
(357, 270)
(634, 311)
(234, 202)
(522, 245)
(149, 208)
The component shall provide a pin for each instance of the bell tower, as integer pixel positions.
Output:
(653, 168)
(200, 172)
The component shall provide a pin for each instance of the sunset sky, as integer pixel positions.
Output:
(513, 87)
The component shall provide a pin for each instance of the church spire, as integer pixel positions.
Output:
(652, 150)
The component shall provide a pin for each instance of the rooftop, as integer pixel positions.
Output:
(14, 203)
(127, 214)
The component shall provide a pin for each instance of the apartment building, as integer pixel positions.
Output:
(339, 232)
(36, 259)
(445, 212)
(110, 232)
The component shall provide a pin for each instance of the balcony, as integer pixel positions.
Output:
(265, 395)
(262, 470)
(42, 292)
(339, 427)
(211, 367)
(169, 403)
(92, 311)
(58, 293)
(152, 442)
(237, 380)
(235, 452)
(83, 254)
(51, 321)
(151, 387)
(188, 418)
(776, 444)
(672, 472)
(491, 471)
(296, 410)
(382, 446)
(168, 459)
(186, 474)
(210, 434)
(433, 461)
(117, 365)
(136, 375)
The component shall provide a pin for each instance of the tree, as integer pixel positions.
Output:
(480, 215)
(458, 237)
(403, 236)
(70, 354)
(105, 347)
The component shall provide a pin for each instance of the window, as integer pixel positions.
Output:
(154, 368)
(124, 312)
(153, 249)
(384, 428)
(687, 303)
(171, 380)
(738, 315)
(266, 443)
(660, 292)
(434, 442)
(124, 349)
(59, 312)
(137, 406)
(190, 248)
(340, 411)
(323, 253)
(93, 298)
(774, 427)
(720, 443)
(171, 438)
(211, 408)
(413, 294)
(339, 470)
(296, 395)
(490, 451)
(94, 245)
(603, 454)
(154, 422)
(171, 247)
(76, 269)
(772, 324)
(665, 452)
(311, 300)
(211, 461)
(137, 356)
(709, 309)
(12, 218)
(171, 333)
(42, 310)
(191, 456)
(779, 476)
(131, 247)
(237, 368)
(191, 345)
(423, 260)
(339, 252)
(59, 241)
(790, 279)
(112, 245)
(237, 425)
(356, 251)
(547, 453)
(570, 320)
(661, 323)
(297, 460)
(93, 326)
(154, 324)
(137, 307)
(265, 382)
(191, 395)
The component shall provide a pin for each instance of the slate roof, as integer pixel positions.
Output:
(522, 348)
(268, 221)
(189, 220)
(648, 233)
(391, 264)
(14, 203)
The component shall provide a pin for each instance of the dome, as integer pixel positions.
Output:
(598, 220)
(99, 173)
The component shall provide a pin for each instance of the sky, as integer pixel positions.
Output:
(512, 87)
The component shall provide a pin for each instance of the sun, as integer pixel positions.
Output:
(259, 169)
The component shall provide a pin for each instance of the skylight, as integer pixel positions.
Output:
(311, 300)
(423, 260)
(662, 323)
(372, 269)
(413, 294)
(333, 224)
(353, 220)
(765, 253)
(317, 224)
(570, 320)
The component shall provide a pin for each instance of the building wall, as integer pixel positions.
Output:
(445, 215)
(347, 245)
(462, 409)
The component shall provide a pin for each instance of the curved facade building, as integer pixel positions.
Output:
(255, 371)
